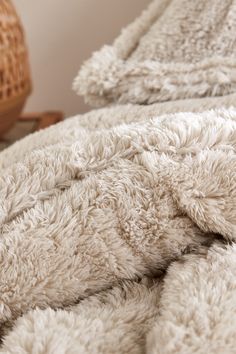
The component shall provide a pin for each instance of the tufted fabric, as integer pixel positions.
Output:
(104, 208)
(176, 49)
(118, 226)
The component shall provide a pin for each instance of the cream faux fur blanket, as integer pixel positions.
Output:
(122, 237)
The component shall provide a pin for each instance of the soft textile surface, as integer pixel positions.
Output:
(77, 127)
(176, 49)
(193, 311)
(118, 227)
(86, 216)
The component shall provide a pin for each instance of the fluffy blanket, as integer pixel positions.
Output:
(120, 239)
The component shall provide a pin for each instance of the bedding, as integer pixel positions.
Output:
(191, 311)
(103, 220)
(77, 127)
(176, 49)
(118, 226)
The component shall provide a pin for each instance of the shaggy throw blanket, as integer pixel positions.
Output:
(84, 220)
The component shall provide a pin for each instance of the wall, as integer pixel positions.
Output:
(61, 35)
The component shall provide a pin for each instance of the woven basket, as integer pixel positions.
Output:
(15, 82)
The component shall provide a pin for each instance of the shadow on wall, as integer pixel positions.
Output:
(60, 36)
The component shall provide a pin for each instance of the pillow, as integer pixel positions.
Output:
(176, 49)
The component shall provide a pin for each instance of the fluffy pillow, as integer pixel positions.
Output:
(176, 49)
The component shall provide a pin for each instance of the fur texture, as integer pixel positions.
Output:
(81, 216)
(76, 128)
(176, 49)
(111, 317)
(118, 227)
(198, 306)
(192, 311)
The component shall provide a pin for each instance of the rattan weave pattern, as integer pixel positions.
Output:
(15, 80)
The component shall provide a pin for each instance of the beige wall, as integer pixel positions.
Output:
(61, 35)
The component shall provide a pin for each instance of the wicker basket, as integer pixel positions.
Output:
(15, 83)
